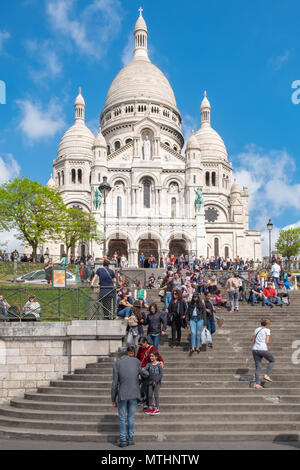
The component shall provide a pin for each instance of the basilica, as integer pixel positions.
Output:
(154, 183)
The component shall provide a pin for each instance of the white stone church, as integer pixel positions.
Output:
(150, 207)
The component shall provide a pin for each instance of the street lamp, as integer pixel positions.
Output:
(269, 227)
(104, 188)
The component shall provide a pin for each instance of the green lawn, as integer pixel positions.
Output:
(56, 304)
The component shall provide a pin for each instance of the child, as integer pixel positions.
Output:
(154, 382)
(219, 301)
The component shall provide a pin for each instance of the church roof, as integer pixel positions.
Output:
(140, 78)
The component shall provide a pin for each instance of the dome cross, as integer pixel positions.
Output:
(141, 11)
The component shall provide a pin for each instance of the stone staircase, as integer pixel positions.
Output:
(205, 397)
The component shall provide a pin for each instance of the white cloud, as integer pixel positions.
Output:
(45, 54)
(9, 168)
(268, 176)
(9, 242)
(277, 61)
(92, 30)
(38, 123)
(127, 53)
(3, 36)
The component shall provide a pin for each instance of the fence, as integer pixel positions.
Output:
(64, 304)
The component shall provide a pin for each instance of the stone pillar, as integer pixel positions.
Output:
(201, 240)
(133, 258)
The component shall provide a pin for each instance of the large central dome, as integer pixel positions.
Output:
(140, 78)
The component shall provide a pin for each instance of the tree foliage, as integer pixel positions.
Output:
(288, 243)
(33, 210)
(78, 225)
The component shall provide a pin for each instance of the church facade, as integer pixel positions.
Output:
(154, 184)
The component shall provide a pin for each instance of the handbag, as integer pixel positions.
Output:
(220, 321)
(132, 320)
(161, 293)
(206, 336)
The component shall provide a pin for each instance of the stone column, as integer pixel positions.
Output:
(201, 239)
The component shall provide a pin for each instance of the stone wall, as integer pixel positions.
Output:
(33, 354)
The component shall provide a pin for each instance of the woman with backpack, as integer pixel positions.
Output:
(176, 316)
(197, 320)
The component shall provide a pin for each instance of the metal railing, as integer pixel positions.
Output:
(66, 304)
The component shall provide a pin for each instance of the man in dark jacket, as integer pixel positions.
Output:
(125, 386)
(155, 320)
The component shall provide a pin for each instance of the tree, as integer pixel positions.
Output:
(78, 225)
(288, 243)
(32, 209)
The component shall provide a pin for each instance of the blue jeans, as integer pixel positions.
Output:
(125, 312)
(196, 327)
(154, 340)
(211, 326)
(127, 407)
(168, 300)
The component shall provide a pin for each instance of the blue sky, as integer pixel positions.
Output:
(246, 54)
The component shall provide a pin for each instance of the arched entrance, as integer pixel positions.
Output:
(178, 247)
(119, 246)
(149, 247)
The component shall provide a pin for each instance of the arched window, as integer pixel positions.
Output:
(147, 193)
(226, 252)
(213, 178)
(90, 179)
(108, 150)
(63, 178)
(175, 148)
(98, 177)
(216, 247)
(58, 177)
(167, 143)
(79, 176)
(194, 179)
(173, 207)
(207, 178)
(117, 145)
(119, 206)
(73, 175)
(127, 141)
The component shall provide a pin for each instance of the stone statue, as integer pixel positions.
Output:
(198, 200)
(97, 199)
(147, 148)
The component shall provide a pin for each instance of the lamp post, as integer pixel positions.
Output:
(104, 188)
(269, 227)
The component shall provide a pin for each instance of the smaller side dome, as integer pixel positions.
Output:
(235, 188)
(192, 143)
(100, 140)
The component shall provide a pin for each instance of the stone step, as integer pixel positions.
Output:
(105, 391)
(170, 371)
(263, 398)
(188, 377)
(178, 417)
(104, 408)
(187, 436)
(156, 426)
(184, 386)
